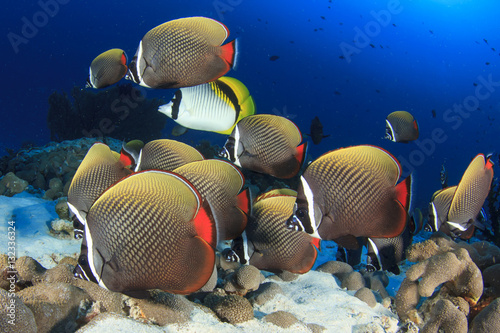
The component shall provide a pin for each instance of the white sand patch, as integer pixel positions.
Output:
(314, 297)
(32, 216)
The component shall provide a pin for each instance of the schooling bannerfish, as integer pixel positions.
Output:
(107, 68)
(215, 106)
(150, 230)
(267, 244)
(220, 183)
(268, 144)
(182, 53)
(401, 126)
(351, 192)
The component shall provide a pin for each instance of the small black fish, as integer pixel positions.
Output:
(433, 113)
(322, 17)
(493, 49)
(341, 57)
(372, 46)
(377, 91)
(394, 24)
(337, 93)
(432, 32)
(486, 63)
(485, 41)
(274, 58)
(316, 133)
(474, 84)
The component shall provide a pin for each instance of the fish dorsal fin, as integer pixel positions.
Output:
(276, 193)
(213, 31)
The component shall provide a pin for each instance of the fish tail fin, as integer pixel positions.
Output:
(230, 53)
(205, 226)
(404, 192)
(301, 154)
(237, 220)
(316, 242)
(244, 201)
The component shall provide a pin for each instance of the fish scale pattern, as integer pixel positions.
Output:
(184, 53)
(471, 191)
(355, 189)
(167, 155)
(98, 170)
(123, 223)
(219, 182)
(108, 68)
(280, 247)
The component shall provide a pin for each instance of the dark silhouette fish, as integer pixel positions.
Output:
(316, 132)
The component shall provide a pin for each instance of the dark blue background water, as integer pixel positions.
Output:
(424, 55)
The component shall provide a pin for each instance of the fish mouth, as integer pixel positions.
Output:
(228, 150)
(230, 255)
(293, 223)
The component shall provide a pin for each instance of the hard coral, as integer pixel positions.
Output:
(281, 318)
(488, 320)
(14, 315)
(446, 318)
(234, 309)
(441, 262)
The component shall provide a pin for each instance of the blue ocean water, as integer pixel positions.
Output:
(349, 62)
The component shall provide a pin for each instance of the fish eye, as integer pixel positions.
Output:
(301, 213)
(78, 233)
(82, 260)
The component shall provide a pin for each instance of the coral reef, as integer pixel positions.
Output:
(243, 280)
(15, 316)
(466, 274)
(233, 309)
(50, 168)
(282, 319)
(487, 320)
(122, 111)
(10, 184)
(367, 296)
(447, 318)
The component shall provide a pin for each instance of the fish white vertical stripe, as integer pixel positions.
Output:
(236, 146)
(90, 256)
(393, 135)
(310, 206)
